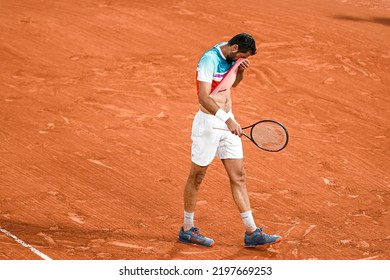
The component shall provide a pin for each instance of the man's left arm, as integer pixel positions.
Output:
(240, 72)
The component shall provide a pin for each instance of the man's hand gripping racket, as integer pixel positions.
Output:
(268, 135)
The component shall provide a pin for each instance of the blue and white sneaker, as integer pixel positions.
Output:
(258, 237)
(193, 237)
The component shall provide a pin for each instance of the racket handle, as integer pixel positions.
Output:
(220, 128)
(226, 129)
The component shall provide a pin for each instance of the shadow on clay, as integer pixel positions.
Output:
(380, 20)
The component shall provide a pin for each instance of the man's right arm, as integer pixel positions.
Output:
(204, 98)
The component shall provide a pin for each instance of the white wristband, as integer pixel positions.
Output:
(222, 115)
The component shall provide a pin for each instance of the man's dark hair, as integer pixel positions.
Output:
(245, 43)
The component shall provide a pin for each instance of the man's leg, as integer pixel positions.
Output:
(253, 236)
(235, 170)
(191, 189)
(188, 232)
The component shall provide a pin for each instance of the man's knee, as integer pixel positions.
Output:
(238, 177)
(196, 176)
(199, 178)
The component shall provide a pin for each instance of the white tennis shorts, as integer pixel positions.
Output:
(208, 142)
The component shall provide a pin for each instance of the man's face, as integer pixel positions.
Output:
(234, 54)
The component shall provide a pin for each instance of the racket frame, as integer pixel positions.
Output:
(254, 142)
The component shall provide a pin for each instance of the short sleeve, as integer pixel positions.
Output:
(206, 69)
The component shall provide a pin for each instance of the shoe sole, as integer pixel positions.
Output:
(258, 245)
(194, 244)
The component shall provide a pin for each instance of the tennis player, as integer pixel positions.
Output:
(207, 142)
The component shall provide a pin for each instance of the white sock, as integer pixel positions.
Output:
(188, 220)
(249, 222)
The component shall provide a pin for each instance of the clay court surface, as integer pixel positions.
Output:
(97, 100)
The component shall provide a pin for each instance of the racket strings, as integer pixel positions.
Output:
(269, 135)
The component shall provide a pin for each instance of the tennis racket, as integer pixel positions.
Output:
(268, 135)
